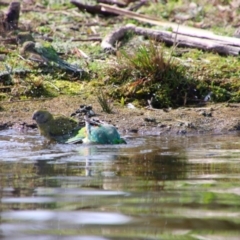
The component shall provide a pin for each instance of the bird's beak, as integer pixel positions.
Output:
(33, 117)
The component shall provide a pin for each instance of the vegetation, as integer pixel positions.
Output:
(165, 76)
(104, 102)
(146, 73)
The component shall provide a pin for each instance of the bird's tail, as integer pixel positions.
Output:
(70, 67)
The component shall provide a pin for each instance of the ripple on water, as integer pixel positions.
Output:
(153, 188)
(68, 217)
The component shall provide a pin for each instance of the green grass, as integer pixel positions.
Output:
(104, 102)
(149, 72)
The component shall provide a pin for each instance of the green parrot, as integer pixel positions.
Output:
(62, 129)
(58, 128)
(45, 53)
(102, 134)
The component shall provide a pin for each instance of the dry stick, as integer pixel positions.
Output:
(143, 18)
(90, 39)
(118, 3)
(110, 39)
(93, 9)
(175, 44)
(190, 31)
(168, 37)
(186, 36)
(188, 41)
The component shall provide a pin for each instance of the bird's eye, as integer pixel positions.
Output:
(39, 115)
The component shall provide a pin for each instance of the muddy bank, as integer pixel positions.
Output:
(209, 119)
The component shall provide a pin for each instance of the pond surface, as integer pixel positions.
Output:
(152, 188)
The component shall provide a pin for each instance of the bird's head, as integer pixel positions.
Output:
(42, 116)
(28, 46)
(23, 37)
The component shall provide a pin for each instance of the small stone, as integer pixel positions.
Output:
(206, 114)
(183, 132)
(153, 120)
(169, 127)
(133, 130)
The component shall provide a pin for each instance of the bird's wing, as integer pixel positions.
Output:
(37, 58)
(62, 125)
(47, 51)
(77, 136)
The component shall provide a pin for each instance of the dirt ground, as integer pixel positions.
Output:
(209, 119)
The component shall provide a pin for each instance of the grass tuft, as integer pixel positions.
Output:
(104, 102)
(148, 73)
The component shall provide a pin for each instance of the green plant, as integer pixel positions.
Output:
(104, 102)
(220, 94)
(122, 101)
(148, 72)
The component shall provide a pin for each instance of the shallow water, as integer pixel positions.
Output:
(152, 188)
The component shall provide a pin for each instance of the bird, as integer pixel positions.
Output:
(45, 54)
(62, 129)
(58, 128)
(100, 134)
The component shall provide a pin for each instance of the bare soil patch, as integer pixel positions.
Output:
(208, 119)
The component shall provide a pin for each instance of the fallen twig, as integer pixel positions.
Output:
(89, 39)
(211, 42)
(93, 9)
(109, 41)
(113, 2)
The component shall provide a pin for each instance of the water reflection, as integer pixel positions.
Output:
(151, 188)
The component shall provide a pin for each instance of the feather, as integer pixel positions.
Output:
(102, 134)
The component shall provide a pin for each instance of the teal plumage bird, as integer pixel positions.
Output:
(102, 134)
(46, 54)
(62, 129)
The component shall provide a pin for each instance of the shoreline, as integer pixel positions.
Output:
(220, 118)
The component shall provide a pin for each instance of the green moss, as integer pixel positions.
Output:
(67, 87)
(43, 29)
(3, 96)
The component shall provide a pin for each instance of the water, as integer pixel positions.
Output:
(152, 188)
